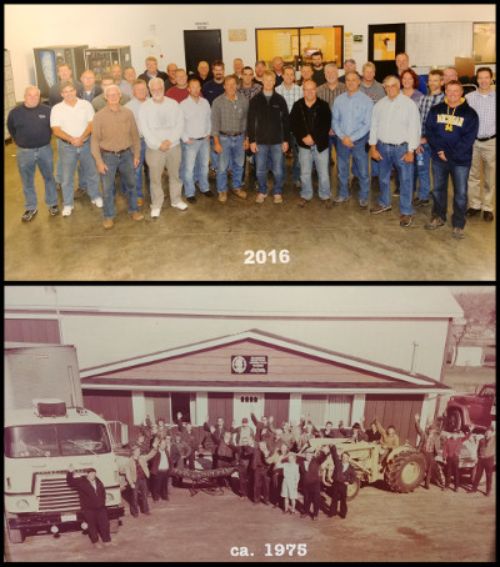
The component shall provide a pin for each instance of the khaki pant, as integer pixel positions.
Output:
(484, 154)
(157, 161)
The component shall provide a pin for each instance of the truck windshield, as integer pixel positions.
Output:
(59, 440)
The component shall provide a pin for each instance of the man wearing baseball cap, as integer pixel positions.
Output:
(93, 504)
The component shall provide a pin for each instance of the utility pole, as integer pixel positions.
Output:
(413, 357)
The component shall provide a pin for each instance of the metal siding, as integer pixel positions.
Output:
(277, 405)
(32, 331)
(112, 405)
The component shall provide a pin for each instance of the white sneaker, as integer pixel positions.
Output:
(98, 202)
(67, 210)
(155, 212)
(180, 205)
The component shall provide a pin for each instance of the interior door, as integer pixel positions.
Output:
(385, 41)
(201, 45)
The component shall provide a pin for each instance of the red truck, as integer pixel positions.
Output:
(477, 410)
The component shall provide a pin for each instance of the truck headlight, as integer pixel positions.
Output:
(22, 504)
(110, 497)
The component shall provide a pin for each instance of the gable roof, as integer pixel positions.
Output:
(102, 374)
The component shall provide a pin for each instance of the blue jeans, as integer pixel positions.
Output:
(138, 173)
(70, 156)
(124, 163)
(295, 164)
(393, 156)
(214, 156)
(273, 152)
(374, 168)
(423, 173)
(459, 176)
(58, 175)
(195, 166)
(322, 162)
(27, 160)
(232, 154)
(360, 160)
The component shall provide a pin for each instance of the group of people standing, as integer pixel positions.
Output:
(187, 124)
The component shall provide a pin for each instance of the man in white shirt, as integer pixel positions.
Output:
(484, 102)
(140, 94)
(71, 122)
(195, 141)
(161, 123)
(394, 137)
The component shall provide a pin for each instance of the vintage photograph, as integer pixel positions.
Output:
(241, 423)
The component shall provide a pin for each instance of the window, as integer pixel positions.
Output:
(297, 44)
(249, 399)
(61, 440)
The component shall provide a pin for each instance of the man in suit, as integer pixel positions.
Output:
(162, 463)
(311, 481)
(217, 435)
(93, 504)
(343, 475)
(260, 471)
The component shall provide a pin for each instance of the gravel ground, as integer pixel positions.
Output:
(427, 525)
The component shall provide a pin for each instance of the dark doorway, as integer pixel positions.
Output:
(180, 402)
(201, 45)
(391, 36)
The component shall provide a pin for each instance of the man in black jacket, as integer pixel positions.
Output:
(343, 475)
(310, 121)
(310, 474)
(93, 504)
(268, 131)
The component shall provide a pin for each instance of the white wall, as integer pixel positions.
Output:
(29, 26)
(107, 339)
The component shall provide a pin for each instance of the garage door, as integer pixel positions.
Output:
(158, 405)
(339, 409)
(277, 405)
(220, 404)
(398, 410)
(314, 407)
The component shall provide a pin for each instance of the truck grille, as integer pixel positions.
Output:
(57, 496)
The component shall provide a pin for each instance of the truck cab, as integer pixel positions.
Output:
(477, 410)
(39, 446)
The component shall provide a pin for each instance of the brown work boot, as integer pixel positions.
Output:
(240, 193)
(222, 197)
(140, 201)
(108, 223)
(137, 216)
(277, 199)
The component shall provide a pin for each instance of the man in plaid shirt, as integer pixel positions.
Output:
(422, 168)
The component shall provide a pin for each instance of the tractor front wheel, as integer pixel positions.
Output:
(353, 489)
(405, 472)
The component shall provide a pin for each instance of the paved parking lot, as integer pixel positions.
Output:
(381, 526)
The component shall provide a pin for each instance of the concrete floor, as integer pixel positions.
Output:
(209, 240)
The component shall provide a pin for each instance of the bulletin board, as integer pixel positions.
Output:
(437, 44)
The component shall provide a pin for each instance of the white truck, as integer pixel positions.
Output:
(45, 430)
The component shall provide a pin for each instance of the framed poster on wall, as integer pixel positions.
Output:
(385, 41)
(484, 35)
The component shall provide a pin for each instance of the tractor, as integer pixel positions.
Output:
(401, 469)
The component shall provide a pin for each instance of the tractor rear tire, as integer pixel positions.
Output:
(353, 489)
(405, 472)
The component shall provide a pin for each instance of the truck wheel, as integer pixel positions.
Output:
(353, 489)
(405, 472)
(114, 525)
(455, 421)
(15, 535)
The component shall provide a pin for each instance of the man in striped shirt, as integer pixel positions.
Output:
(483, 101)
(291, 93)
(422, 169)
